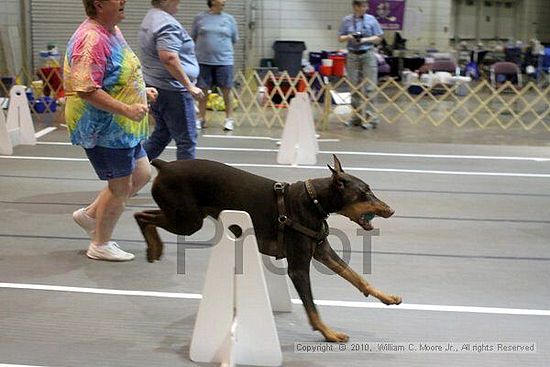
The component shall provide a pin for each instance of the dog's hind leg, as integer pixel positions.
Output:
(298, 272)
(148, 221)
(175, 221)
(326, 255)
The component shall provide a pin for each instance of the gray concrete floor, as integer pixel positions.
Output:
(467, 232)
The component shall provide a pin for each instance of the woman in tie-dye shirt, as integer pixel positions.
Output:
(106, 114)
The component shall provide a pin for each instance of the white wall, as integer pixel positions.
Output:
(536, 20)
(428, 23)
(316, 22)
(10, 14)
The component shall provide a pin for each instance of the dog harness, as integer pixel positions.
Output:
(284, 220)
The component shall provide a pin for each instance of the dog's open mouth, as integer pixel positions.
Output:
(364, 221)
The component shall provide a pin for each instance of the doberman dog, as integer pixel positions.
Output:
(289, 219)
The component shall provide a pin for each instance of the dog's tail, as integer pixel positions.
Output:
(159, 164)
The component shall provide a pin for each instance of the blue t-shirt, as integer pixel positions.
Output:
(161, 31)
(214, 35)
(367, 25)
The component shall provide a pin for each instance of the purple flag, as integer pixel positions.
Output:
(389, 13)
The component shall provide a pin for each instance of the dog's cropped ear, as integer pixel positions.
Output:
(336, 173)
(337, 166)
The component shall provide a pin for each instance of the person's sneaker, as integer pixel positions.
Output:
(375, 121)
(198, 124)
(367, 126)
(352, 122)
(85, 221)
(109, 251)
(228, 125)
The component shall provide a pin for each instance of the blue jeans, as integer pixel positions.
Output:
(174, 114)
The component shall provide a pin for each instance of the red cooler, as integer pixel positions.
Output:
(325, 70)
(338, 65)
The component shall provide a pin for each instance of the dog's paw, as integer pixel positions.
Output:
(154, 253)
(391, 300)
(336, 337)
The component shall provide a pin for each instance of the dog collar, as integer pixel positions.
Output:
(313, 196)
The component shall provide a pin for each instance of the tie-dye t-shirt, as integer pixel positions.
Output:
(97, 58)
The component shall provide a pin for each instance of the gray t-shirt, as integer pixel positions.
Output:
(215, 35)
(161, 31)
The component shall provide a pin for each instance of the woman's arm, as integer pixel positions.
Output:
(103, 101)
(171, 62)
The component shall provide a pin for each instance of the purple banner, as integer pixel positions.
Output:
(389, 13)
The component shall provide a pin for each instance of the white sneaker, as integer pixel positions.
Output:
(198, 124)
(109, 251)
(228, 125)
(85, 221)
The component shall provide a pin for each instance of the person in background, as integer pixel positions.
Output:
(106, 113)
(170, 65)
(362, 32)
(215, 32)
(532, 58)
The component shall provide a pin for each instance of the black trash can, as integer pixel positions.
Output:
(288, 56)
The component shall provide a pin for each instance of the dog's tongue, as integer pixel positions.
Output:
(364, 221)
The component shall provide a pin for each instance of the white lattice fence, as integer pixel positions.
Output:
(263, 101)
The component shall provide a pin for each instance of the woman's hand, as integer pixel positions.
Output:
(136, 111)
(152, 94)
(196, 92)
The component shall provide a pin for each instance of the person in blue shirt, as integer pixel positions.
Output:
(362, 32)
(215, 32)
(170, 65)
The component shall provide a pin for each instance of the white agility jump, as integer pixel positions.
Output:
(236, 309)
(299, 141)
(18, 127)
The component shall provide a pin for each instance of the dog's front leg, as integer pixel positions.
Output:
(326, 255)
(299, 274)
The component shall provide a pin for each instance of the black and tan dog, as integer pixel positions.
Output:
(289, 220)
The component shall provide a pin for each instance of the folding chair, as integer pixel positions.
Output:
(505, 71)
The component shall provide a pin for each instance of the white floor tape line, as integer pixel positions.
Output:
(244, 137)
(379, 154)
(323, 168)
(45, 131)
(18, 365)
(326, 303)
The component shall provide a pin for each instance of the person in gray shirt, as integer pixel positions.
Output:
(170, 65)
(215, 32)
